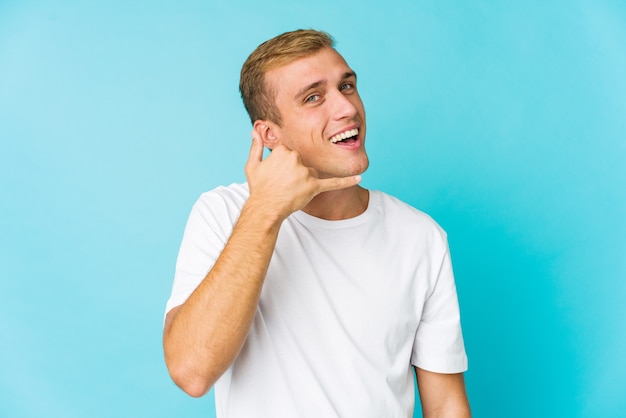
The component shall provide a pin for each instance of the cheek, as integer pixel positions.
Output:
(361, 108)
(304, 131)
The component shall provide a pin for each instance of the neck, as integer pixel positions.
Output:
(339, 204)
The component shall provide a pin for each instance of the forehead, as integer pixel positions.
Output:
(326, 65)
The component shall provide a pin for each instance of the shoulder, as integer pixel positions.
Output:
(231, 197)
(406, 218)
(393, 207)
(223, 203)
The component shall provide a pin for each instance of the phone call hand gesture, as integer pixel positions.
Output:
(282, 184)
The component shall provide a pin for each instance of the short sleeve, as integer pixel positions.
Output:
(438, 345)
(209, 226)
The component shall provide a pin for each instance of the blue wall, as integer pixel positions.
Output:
(506, 121)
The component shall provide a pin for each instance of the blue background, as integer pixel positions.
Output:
(506, 121)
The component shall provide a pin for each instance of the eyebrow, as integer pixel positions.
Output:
(348, 74)
(304, 89)
(319, 83)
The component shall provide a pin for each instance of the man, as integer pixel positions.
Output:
(300, 293)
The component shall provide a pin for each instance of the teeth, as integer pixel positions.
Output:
(344, 135)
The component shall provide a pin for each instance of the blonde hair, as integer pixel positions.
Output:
(258, 97)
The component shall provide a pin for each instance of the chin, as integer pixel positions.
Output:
(363, 167)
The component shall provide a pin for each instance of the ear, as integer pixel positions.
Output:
(269, 132)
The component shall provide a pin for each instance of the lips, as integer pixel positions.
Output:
(345, 136)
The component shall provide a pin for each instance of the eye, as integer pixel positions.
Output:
(346, 86)
(312, 98)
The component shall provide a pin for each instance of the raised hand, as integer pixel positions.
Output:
(203, 336)
(282, 184)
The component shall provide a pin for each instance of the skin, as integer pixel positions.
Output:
(442, 395)
(317, 98)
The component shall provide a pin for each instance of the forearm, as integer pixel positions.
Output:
(458, 410)
(204, 335)
(442, 395)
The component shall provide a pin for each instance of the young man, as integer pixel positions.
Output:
(300, 293)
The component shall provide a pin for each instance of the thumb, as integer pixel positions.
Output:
(337, 183)
(256, 149)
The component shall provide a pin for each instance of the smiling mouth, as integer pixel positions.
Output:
(347, 136)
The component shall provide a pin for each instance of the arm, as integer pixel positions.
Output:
(442, 395)
(203, 336)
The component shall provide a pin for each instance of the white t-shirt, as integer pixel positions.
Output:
(346, 308)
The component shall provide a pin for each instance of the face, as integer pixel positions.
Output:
(323, 118)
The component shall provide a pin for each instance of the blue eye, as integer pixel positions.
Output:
(346, 86)
(312, 98)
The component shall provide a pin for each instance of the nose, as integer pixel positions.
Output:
(345, 106)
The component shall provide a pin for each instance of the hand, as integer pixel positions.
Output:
(282, 184)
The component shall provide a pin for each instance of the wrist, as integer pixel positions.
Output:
(263, 214)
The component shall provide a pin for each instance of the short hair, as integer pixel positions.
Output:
(259, 98)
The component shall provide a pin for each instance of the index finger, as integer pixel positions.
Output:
(337, 183)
